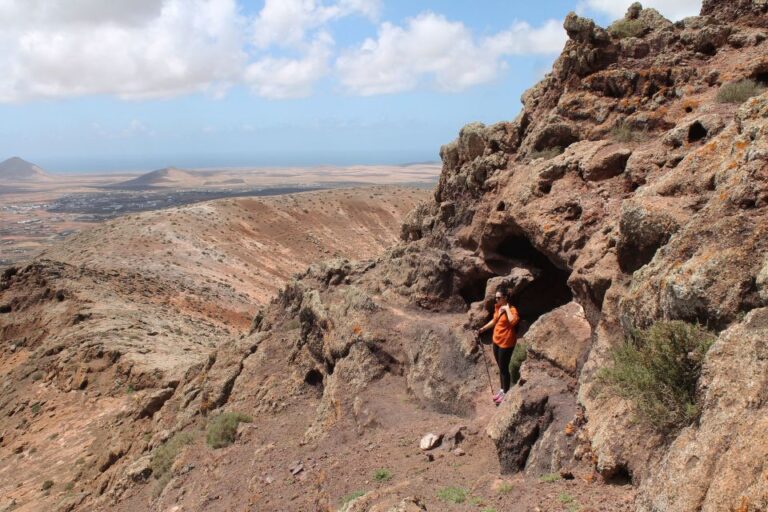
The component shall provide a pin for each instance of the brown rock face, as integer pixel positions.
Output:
(729, 441)
(623, 194)
(748, 12)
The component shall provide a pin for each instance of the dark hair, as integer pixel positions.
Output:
(505, 292)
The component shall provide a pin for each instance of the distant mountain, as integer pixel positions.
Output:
(166, 177)
(17, 169)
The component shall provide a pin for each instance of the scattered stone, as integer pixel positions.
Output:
(455, 436)
(430, 441)
(459, 452)
(429, 457)
(140, 470)
(153, 402)
(409, 504)
(296, 468)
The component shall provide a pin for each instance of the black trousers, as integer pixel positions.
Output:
(503, 356)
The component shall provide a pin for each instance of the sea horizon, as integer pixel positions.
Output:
(130, 164)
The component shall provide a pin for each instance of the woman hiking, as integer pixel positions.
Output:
(505, 318)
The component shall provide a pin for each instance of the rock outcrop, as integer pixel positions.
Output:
(623, 194)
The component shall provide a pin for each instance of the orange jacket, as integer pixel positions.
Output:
(504, 334)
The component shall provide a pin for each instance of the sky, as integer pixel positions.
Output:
(89, 85)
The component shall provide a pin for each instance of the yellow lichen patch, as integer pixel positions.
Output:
(743, 505)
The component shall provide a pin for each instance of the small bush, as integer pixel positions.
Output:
(739, 92)
(382, 475)
(164, 457)
(350, 497)
(550, 477)
(625, 132)
(35, 408)
(657, 369)
(627, 28)
(505, 488)
(47, 485)
(222, 429)
(547, 153)
(518, 357)
(452, 494)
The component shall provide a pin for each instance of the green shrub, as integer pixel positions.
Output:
(382, 475)
(518, 357)
(657, 369)
(546, 153)
(350, 497)
(505, 488)
(164, 456)
(625, 132)
(222, 429)
(452, 494)
(627, 28)
(550, 477)
(47, 485)
(35, 408)
(739, 92)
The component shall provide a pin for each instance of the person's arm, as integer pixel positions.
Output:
(487, 326)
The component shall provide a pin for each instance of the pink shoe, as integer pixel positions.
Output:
(498, 394)
(498, 399)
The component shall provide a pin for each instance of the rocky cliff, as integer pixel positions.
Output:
(632, 188)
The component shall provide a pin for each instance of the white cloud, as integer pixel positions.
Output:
(434, 49)
(281, 78)
(672, 9)
(138, 51)
(286, 22)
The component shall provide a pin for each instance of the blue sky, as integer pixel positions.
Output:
(141, 84)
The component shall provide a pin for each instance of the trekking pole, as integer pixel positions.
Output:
(487, 371)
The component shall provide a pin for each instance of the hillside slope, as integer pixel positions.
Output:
(631, 189)
(98, 331)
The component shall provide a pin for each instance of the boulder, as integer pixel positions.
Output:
(430, 441)
(409, 504)
(608, 162)
(561, 336)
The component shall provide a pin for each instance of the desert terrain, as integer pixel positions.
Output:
(38, 209)
(625, 210)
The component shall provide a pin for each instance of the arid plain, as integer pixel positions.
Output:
(37, 209)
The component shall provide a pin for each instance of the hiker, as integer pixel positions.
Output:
(504, 320)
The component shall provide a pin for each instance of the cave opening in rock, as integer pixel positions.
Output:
(761, 77)
(619, 476)
(696, 132)
(548, 291)
(473, 290)
(314, 378)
